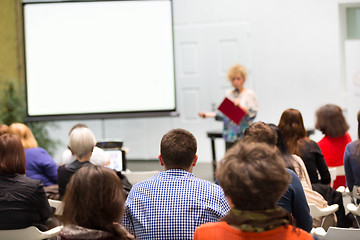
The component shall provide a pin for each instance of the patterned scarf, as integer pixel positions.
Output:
(257, 220)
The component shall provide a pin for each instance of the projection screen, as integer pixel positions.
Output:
(99, 59)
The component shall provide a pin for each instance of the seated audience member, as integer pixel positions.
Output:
(171, 204)
(23, 202)
(81, 143)
(291, 126)
(39, 164)
(93, 206)
(254, 178)
(352, 161)
(331, 122)
(294, 199)
(98, 157)
(296, 164)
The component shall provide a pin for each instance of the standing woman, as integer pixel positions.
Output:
(39, 164)
(331, 122)
(242, 97)
(352, 161)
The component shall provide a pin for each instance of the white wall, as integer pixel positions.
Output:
(293, 50)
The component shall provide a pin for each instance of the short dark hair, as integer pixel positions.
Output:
(331, 121)
(260, 132)
(12, 155)
(94, 198)
(178, 149)
(253, 176)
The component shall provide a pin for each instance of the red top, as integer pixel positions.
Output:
(221, 230)
(333, 150)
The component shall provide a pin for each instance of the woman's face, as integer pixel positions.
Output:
(238, 81)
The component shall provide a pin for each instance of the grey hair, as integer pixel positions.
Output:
(81, 141)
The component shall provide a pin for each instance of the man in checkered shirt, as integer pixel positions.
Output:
(171, 204)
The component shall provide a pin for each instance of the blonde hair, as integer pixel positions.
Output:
(24, 133)
(237, 69)
(81, 141)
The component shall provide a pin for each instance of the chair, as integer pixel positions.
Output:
(29, 233)
(334, 172)
(57, 205)
(138, 176)
(355, 210)
(335, 233)
(316, 212)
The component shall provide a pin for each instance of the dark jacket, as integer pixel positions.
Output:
(65, 172)
(23, 203)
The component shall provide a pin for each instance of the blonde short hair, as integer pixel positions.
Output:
(24, 133)
(81, 141)
(236, 69)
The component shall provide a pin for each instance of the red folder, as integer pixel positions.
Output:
(233, 112)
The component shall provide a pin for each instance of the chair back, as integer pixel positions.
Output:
(332, 171)
(57, 205)
(316, 212)
(355, 192)
(336, 233)
(29, 233)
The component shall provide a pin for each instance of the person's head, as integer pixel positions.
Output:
(253, 176)
(81, 142)
(3, 129)
(24, 133)
(178, 149)
(94, 198)
(281, 146)
(291, 126)
(12, 155)
(260, 132)
(237, 75)
(78, 125)
(331, 121)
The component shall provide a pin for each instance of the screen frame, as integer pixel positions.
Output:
(98, 115)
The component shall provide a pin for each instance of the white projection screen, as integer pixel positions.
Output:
(99, 59)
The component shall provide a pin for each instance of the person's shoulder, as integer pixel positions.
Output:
(249, 91)
(352, 146)
(27, 182)
(296, 233)
(209, 225)
(151, 182)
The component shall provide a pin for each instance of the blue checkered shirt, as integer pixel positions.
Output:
(171, 204)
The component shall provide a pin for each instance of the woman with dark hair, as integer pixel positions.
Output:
(297, 165)
(291, 126)
(331, 122)
(93, 206)
(23, 202)
(252, 196)
(352, 161)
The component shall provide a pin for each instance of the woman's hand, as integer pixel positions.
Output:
(237, 103)
(207, 114)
